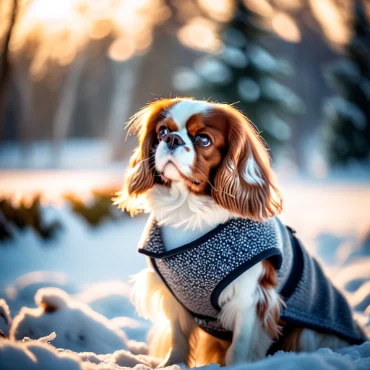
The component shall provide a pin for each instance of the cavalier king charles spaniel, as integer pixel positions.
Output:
(226, 281)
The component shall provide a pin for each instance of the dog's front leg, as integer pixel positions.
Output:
(240, 349)
(250, 342)
(152, 299)
(179, 350)
(239, 313)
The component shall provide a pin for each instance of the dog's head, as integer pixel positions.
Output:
(211, 148)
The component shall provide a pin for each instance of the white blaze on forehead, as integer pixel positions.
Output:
(183, 157)
(182, 111)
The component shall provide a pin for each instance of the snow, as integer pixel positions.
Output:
(22, 291)
(213, 70)
(248, 89)
(234, 57)
(35, 355)
(39, 356)
(5, 318)
(76, 247)
(78, 327)
(75, 154)
(78, 285)
(263, 60)
(111, 299)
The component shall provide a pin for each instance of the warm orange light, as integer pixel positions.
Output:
(285, 26)
(53, 185)
(100, 29)
(289, 4)
(261, 7)
(50, 11)
(121, 49)
(219, 10)
(333, 20)
(144, 41)
(58, 30)
(199, 34)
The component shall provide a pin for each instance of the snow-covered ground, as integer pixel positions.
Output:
(77, 284)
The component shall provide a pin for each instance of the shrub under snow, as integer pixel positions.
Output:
(76, 325)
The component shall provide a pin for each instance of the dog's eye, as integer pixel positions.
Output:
(163, 131)
(202, 140)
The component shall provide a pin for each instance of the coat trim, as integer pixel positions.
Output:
(273, 253)
(186, 247)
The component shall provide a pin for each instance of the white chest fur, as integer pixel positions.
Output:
(182, 215)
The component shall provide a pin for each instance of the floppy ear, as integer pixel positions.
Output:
(244, 181)
(141, 171)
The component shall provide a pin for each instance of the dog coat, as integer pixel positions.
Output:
(198, 272)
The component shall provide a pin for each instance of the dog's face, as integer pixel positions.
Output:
(190, 145)
(211, 148)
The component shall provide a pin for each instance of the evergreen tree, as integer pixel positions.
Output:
(245, 73)
(348, 115)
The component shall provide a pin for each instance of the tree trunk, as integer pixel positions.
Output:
(5, 63)
(67, 101)
(126, 77)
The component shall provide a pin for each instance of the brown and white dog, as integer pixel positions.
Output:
(199, 164)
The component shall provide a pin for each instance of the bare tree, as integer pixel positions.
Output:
(126, 76)
(67, 103)
(5, 65)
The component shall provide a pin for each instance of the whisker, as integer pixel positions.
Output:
(221, 191)
(145, 159)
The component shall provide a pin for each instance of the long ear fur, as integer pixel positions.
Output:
(244, 182)
(140, 175)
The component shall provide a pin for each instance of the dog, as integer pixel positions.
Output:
(227, 282)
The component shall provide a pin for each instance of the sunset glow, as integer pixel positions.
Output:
(334, 20)
(286, 27)
(59, 30)
(200, 34)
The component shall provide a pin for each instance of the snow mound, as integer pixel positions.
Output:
(23, 291)
(5, 318)
(35, 355)
(135, 329)
(76, 325)
(355, 357)
(118, 358)
(111, 299)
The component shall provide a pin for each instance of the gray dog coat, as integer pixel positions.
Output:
(198, 272)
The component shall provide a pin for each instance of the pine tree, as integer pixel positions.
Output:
(348, 115)
(245, 73)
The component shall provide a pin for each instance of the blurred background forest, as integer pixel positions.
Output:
(78, 69)
(73, 71)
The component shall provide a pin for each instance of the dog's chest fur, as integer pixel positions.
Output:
(182, 215)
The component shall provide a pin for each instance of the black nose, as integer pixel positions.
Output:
(173, 141)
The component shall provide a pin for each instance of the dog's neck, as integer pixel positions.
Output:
(183, 215)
